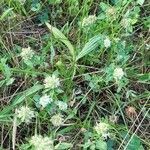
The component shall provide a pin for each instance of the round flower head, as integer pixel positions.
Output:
(51, 82)
(102, 129)
(111, 11)
(62, 105)
(57, 120)
(91, 19)
(25, 114)
(41, 143)
(107, 42)
(45, 100)
(26, 53)
(118, 74)
(125, 22)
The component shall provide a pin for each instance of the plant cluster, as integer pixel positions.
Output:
(74, 75)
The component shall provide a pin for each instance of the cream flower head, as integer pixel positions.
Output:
(125, 22)
(102, 129)
(91, 19)
(27, 53)
(111, 11)
(25, 114)
(62, 105)
(57, 120)
(41, 143)
(107, 42)
(118, 73)
(51, 82)
(45, 100)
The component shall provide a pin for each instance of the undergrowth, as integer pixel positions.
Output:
(74, 74)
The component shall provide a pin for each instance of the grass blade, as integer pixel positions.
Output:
(91, 45)
(20, 98)
(5, 13)
(59, 35)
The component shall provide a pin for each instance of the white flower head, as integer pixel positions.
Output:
(57, 120)
(147, 46)
(102, 129)
(25, 114)
(125, 22)
(27, 53)
(111, 11)
(118, 73)
(62, 105)
(41, 143)
(107, 42)
(51, 82)
(45, 100)
(91, 19)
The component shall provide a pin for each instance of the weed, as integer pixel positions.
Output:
(74, 74)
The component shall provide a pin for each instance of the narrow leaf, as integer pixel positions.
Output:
(140, 2)
(20, 98)
(27, 93)
(89, 46)
(5, 13)
(59, 35)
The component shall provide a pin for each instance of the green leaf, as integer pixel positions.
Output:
(110, 144)
(144, 77)
(104, 6)
(10, 81)
(134, 144)
(89, 46)
(5, 68)
(147, 22)
(43, 17)
(20, 98)
(64, 146)
(27, 93)
(2, 82)
(5, 13)
(60, 36)
(36, 6)
(54, 1)
(87, 144)
(140, 2)
(101, 145)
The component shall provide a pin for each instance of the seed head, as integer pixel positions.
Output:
(131, 112)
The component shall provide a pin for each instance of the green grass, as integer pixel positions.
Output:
(95, 56)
